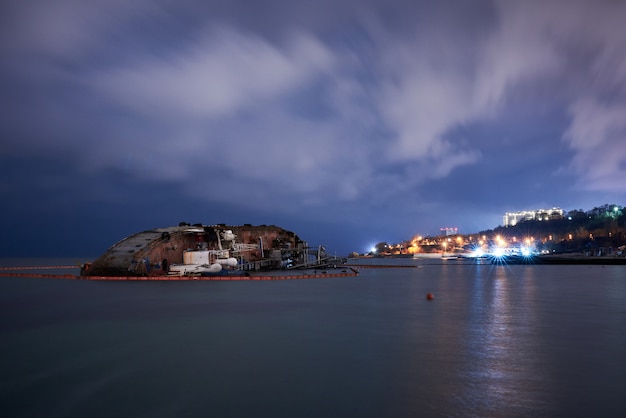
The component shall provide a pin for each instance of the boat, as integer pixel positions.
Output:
(206, 250)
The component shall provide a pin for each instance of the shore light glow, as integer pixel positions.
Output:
(478, 252)
(498, 252)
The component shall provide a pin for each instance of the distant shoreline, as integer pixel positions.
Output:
(574, 258)
(578, 259)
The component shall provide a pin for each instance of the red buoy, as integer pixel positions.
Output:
(430, 296)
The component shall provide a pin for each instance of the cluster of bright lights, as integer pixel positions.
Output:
(499, 247)
(478, 252)
(498, 252)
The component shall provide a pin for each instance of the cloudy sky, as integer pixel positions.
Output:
(348, 122)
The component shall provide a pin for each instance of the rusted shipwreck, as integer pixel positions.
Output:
(206, 249)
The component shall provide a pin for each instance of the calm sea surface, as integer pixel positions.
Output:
(521, 340)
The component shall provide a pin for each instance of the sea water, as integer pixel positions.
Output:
(496, 340)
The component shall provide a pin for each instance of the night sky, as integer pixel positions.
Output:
(348, 122)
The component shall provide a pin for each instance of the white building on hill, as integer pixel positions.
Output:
(513, 218)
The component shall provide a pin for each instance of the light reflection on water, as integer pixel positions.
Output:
(504, 356)
(496, 341)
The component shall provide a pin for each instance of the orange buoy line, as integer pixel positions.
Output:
(354, 273)
(38, 267)
(221, 278)
(39, 275)
(379, 266)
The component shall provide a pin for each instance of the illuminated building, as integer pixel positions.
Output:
(513, 218)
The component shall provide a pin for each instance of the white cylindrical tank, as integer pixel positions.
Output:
(231, 262)
(215, 267)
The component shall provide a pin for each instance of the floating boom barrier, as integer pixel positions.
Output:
(378, 266)
(38, 268)
(13, 272)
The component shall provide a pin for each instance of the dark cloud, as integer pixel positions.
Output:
(354, 117)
